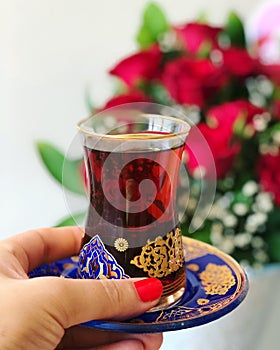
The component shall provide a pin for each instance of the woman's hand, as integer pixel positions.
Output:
(43, 313)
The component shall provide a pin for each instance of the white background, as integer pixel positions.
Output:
(51, 52)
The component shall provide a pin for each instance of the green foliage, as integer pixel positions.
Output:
(66, 171)
(154, 24)
(235, 30)
(88, 101)
(156, 92)
(269, 133)
(202, 234)
(273, 232)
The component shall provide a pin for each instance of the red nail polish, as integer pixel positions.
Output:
(149, 289)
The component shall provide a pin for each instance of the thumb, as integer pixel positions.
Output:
(84, 300)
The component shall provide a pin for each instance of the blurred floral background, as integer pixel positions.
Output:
(232, 93)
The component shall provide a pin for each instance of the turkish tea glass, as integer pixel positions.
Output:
(132, 161)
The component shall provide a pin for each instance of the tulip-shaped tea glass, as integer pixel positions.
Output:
(132, 161)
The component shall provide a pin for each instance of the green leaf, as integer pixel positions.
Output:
(144, 38)
(156, 92)
(274, 246)
(72, 176)
(235, 30)
(202, 234)
(66, 171)
(88, 101)
(239, 124)
(204, 49)
(276, 93)
(76, 219)
(52, 159)
(154, 24)
(267, 135)
(171, 55)
(273, 234)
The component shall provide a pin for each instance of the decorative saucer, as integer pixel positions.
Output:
(216, 285)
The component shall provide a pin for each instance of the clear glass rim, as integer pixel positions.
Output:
(138, 136)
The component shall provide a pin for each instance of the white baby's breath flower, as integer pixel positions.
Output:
(265, 86)
(184, 180)
(224, 201)
(264, 202)
(167, 41)
(110, 122)
(240, 209)
(217, 212)
(184, 201)
(257, 99)
(216, 237)
(199, 172)
(261, 256)
(230, 220)
(227, 245)
(241, 240)
(250, 188)
(259, 122)
(217, 227)
(254, 221)
(216, 57)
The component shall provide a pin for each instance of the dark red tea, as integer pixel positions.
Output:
(132, 201)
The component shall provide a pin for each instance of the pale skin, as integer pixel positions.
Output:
(44, 313)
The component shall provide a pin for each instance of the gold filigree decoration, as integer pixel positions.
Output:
(193, 267)
(177, 313)
(161, 257)
(202, 301)
(186, 313)
(121, 244)
(217, 279)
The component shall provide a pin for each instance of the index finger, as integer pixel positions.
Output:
(36, 247)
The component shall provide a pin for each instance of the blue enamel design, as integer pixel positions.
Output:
(97, 263)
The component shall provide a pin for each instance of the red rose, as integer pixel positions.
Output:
(269, 174)
(272, 71)
(238, 62)
(130, 97)
(224, 152)
(142, 65)
(194, 35)
(219, 136)
(275, 109)
(228, 113)
(192, 81)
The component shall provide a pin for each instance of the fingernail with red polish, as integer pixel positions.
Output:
(149, 289)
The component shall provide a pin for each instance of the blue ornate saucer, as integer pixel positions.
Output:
(216, 285)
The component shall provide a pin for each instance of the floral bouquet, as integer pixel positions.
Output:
(233, 98)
